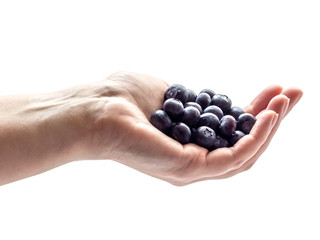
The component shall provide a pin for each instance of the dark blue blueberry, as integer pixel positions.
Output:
(235, 112)
(210, 120)
(181, 132)
(208, 91)
(246, 122)
(222, 101)
(176, 91)
(227, 125)
(161, 120)
(235, 137)
(205, 137)
(220, 142)
(191, 95)
(190, 116)
(173, 107)
(204, 100)
(193, 104)
(215, 110)
(207, 119)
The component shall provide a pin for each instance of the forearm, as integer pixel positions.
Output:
(30, 141)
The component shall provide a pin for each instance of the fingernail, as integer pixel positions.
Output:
(274, 119)
(285, 106)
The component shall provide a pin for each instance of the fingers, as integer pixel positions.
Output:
(294, 94)
(251, 143)
(281, 105)
(262, 100)
(223, 160)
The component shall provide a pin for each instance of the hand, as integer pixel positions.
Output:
(109, 119)
(137, 144)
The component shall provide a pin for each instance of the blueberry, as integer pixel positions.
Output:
(176, 91)
(193, 104)
(209, 119)
(204, 100)
(191, 95)
(246, 122)
(173, 107)
(190, 116)
(227, 125)
(215, 110)
(220, 142)
(161, 120)
(222, 101)
(205, 136)
(235, 112)
(181, 132)
(208, 91)
(235, 137)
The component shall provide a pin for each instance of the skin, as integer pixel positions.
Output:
(109, 119)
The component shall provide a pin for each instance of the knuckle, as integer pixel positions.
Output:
(248, 167)
(182, 177)
(238, 164)
(178, 184)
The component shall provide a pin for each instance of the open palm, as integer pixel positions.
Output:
(141, 146)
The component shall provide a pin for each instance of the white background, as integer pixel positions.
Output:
(234, 47)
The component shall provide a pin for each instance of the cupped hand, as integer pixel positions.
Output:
(134, 142)
(109, 119)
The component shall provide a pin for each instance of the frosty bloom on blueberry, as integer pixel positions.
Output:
(207, 119)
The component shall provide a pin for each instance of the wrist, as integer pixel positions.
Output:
(43, 131)
(79, 120)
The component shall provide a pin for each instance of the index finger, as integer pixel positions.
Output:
(261, 101)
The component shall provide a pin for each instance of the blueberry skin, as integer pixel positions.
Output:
(235, 137)
(246, 122)
(205, 137)
(222, 101)
(181, 132)
(235, 112)
(173, 107)
(176, 91)
(228, 125)
(220, 142)
(215, 110)
(191, 116)
(191, 96)
(204, 100)
(161, 120)
(208, 91)
(210, 120)
(193, 104)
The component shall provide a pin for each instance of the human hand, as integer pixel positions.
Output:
(109, 119)
(137, 144)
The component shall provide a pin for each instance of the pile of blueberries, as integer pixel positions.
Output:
(207, 119)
